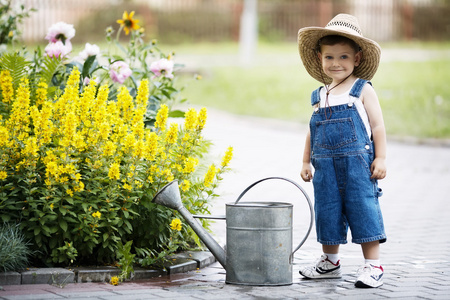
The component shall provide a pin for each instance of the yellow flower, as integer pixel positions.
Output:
(176, 224)
(209, 177)
(161, 117)
(142, 95)
(97, 214)
(6, 86)
(126, 186)
(190, 119)
(4, 136)
(202, 115)
(128, 23)
(228, 156)
(41, 93)
(69, 192)
(186, 185)
(190, 164)
(3, 175)
(114, 280)
(114, 171)
(51, 206)
(172, 134)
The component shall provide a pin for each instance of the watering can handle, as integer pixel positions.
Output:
(307, 199)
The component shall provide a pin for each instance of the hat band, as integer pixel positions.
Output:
(343, 26)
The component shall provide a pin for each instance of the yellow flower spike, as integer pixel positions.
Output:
(228, 156)
(190, 119)
(6, 86)
(186, 185)
(209, 176)
(41, 93)
(176, 224)
(172, 134)
(114, 171)
(161, 117)
(97, 214)
(202, 115)
(128, 23)
(142, 94)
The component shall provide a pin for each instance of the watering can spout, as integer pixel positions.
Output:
(169, 196)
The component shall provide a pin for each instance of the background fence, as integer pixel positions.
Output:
(174, 21)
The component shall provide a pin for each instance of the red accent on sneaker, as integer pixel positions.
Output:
(337, 263)
(379, 267)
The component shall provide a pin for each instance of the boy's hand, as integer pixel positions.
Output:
(378, 168)
(306, 172)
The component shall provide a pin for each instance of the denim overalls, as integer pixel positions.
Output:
(342, 153)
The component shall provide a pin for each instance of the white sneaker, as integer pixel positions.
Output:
(323, 268)
(370, 276)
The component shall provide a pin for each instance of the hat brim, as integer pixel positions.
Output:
(308, 38)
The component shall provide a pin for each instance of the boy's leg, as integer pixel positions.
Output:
(371, 250)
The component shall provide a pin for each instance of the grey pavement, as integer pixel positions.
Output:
(416, 257)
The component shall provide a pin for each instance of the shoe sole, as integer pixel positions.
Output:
(321, 277)
(360, 284)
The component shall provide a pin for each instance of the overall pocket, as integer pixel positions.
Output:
(335, 133)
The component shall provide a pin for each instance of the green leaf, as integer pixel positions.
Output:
(37, 230)
(176, 114)
(89, 64)
(63, 224)
(16, 64)
(62, 210)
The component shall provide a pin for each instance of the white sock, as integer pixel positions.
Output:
(334, 258)
(373, 262)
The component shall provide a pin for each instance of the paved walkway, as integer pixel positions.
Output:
(416, 257)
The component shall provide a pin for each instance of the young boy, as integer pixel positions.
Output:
(346, 145)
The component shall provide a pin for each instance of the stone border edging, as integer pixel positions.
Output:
(180, 263)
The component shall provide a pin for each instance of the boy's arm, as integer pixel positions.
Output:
(306, 172)
(373, 108)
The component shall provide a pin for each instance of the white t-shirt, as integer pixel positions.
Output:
(345, 98)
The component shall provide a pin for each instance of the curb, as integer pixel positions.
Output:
(179, 263)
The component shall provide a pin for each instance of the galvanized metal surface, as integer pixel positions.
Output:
(259, 243)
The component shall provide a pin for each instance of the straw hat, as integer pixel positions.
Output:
(344, 25)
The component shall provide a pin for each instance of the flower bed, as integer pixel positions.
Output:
(85, 143)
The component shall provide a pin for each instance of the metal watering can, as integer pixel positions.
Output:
(259, 236)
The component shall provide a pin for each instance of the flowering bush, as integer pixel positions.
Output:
(82, 153)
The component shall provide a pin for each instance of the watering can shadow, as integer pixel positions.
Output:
(259, 236)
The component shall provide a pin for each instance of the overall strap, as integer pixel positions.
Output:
(315, 96)
(357, 87)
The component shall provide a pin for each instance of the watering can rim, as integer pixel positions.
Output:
(273, 204)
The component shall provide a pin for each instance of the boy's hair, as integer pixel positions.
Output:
(331, 40)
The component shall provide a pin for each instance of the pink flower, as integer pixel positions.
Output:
(58, 49)
(162, 67)
(60, 31)
(89, 50)
(119, 71)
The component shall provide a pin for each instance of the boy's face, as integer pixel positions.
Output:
(338, 61)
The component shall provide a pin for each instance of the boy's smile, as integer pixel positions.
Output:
(338, 61)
